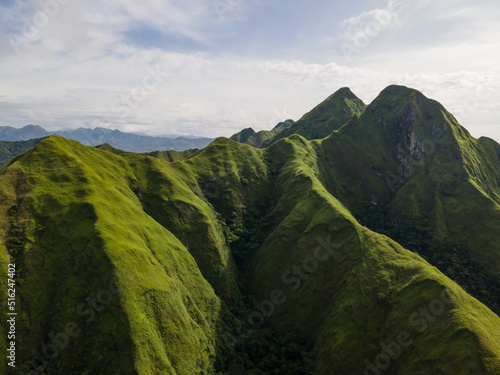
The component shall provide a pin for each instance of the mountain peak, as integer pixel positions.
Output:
(404, 124)
(394, 95)
(343, 92)
(328, 116)
(32, 127)
(399, 89)
(243, 135)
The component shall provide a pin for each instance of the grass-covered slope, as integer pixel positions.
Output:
(94, 257)
(406, 168)
(261, 138)
(9, 150)
(351, 290)
(320, 122)
(172, 155)
(325, 118)
(240, 260)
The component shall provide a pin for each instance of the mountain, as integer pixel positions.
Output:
(239, 260)
(431, 186)
(320, 122)
(8, 133)
(93, 137)
(327, 117)
(169, 155)
(133, 142)
(258, 139)
(9, 150)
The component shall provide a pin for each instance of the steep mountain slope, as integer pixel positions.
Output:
(169, 155)
(172, 155)
(189, 266)
(258, 139)
(430, 185)
(85, 238)
(354, 292)
(325, 118)
(9, 150)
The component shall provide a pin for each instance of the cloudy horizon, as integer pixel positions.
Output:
(211, 68)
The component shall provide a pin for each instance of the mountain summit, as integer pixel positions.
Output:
(327, 117)
(321, 121)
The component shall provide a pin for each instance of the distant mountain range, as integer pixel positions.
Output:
(93, 137)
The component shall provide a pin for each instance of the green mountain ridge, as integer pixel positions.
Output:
(9, 150)
(239, 260)
(260, 138)
(321, 121)
(327, 117)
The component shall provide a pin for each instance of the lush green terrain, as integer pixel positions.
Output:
(9, 150)
(319, 123)
(261, 138)
(239, 260)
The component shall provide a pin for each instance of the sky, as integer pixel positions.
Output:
(213, 67)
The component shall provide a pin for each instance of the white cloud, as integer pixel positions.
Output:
(81, 63)
(359, 30)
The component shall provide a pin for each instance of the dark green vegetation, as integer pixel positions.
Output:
(263, 137)
(9, 150)
(300, 258)
(451, 256)
(320, 122)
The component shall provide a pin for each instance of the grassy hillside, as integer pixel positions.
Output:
(325, 118)
(239, 260)
(407, 169)
(9, 150)
(86, 237)
(172, 155)
(320, 122)
(365, 293)
(260, 138)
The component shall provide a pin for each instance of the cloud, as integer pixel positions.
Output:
(83, 68)
(205, 94)
(357, 31)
